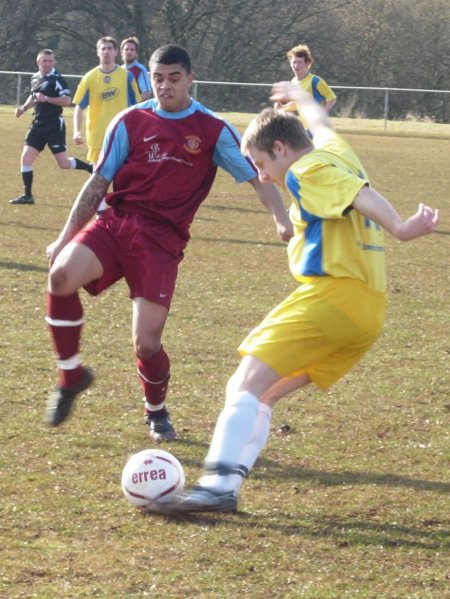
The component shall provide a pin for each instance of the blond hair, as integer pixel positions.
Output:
(274, 125)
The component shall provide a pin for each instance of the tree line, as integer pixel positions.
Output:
(373, 43)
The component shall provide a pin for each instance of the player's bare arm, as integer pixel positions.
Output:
(84, 208)
(77, 124)
(328, 106)
(372, 204)
(87, 202)
(272, 200)
(314, 115)
(25, 106)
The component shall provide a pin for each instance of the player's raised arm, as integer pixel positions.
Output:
(312, 114)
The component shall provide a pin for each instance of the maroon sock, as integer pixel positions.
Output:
(64, 318)
(154, 373)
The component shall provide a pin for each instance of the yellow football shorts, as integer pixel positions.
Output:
(323, 328)
(93, 154)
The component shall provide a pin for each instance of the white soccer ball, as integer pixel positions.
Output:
(151, 477)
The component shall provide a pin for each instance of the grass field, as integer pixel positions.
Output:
(354, 502)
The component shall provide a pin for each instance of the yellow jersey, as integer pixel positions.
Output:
(330, 237)
(103, 95)
(317, 87)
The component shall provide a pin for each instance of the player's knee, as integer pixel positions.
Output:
(58, 281)
(146, 346)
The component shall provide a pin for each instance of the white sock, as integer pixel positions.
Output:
(233, 431)
(248, 457)
(72, 162)
(259, 437)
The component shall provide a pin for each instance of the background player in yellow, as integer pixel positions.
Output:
(326, 325)
(103, 92)
(301, 60)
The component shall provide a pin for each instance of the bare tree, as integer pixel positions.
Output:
(383, 43)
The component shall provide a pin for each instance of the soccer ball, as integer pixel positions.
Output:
(151, 477)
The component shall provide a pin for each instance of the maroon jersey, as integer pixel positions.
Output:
(163, 164)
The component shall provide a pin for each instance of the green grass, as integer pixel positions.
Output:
(354, 502)
(409, 128)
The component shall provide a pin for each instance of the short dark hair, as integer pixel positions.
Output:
(107, 39)
(46, 51)
(271, 125)
(171, 54)
(130, 40)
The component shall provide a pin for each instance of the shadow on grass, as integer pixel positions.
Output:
(24, 225)
(348, 532)
(344, 532)
(235, 208)
(241, 241)
(267, 469)
(347, 478)
(22, 267)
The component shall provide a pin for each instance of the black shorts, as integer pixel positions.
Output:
(47, 131)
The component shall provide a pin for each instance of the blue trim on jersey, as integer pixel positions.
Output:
(293, 185)
(227, 154)
(154, 105)
(311, 262)
(312, 255)
(316, 93)
(84, 101)
(131, 95)
(115, 153)
(143, 80)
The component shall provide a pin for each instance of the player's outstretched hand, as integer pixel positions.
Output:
(312, 114)
(284, 92)
(423, 222)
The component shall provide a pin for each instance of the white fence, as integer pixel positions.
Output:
(22, 83)
(386, 91)
(23, 76)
